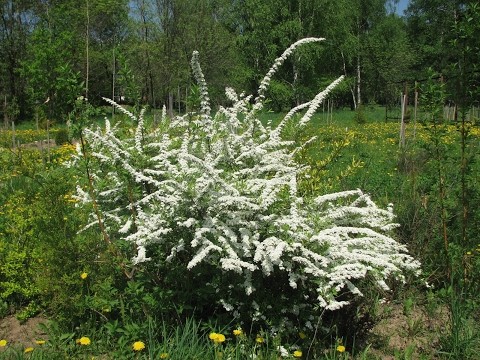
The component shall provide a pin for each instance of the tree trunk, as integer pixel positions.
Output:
(295, 83)
(148, 71)
(170, 104)
(359, 83)
(87, 53)
(178, 99)
(352, 91)
(113, 77)
(359, 72)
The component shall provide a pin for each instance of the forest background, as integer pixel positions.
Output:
(139, 51)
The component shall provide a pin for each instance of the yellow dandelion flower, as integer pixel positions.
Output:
(28, 349)
(220, 338)
(469, 253)
(138, 345)
(237, 332)
(84, 275)
(260, 340)
(3, 343)
(297, 354)
(163, 356)
(39, 342)
(217, 338)
(84, 341)
(341, 348)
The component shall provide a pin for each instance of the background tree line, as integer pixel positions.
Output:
(138, 51)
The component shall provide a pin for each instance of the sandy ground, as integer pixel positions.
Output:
(24, 334)
(407, 334)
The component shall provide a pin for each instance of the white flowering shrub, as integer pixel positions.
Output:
(213, 199)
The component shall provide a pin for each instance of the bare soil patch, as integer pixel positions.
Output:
(22, 334)
(416, 331)
(40, 145)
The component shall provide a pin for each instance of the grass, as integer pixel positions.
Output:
(189, 340)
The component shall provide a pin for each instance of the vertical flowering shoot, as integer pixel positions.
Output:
(204, 98)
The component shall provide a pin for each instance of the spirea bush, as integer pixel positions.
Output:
(213, 198)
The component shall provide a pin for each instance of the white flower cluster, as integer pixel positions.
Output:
(204, 98)
(231, 201)
(278, 62)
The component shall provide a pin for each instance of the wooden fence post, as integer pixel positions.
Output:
(402, 123)
(13, 134)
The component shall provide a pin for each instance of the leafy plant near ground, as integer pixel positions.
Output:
(446, 180)
(190, 340)
(213, 200)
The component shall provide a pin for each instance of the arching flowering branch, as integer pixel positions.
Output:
(278, 62)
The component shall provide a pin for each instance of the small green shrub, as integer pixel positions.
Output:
(360, 117)
(61, 136)
(4, 309)
(279, 96)
(16, 273)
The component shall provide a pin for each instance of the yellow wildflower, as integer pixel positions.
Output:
(217, 338)
(3, 343)
(297, 354)
(341, 348)
(237, 332)
(39, 342)
(138, 345)
(260, 340)
(84, 341)
(84, 275)
(163, 356)
(28, 349)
